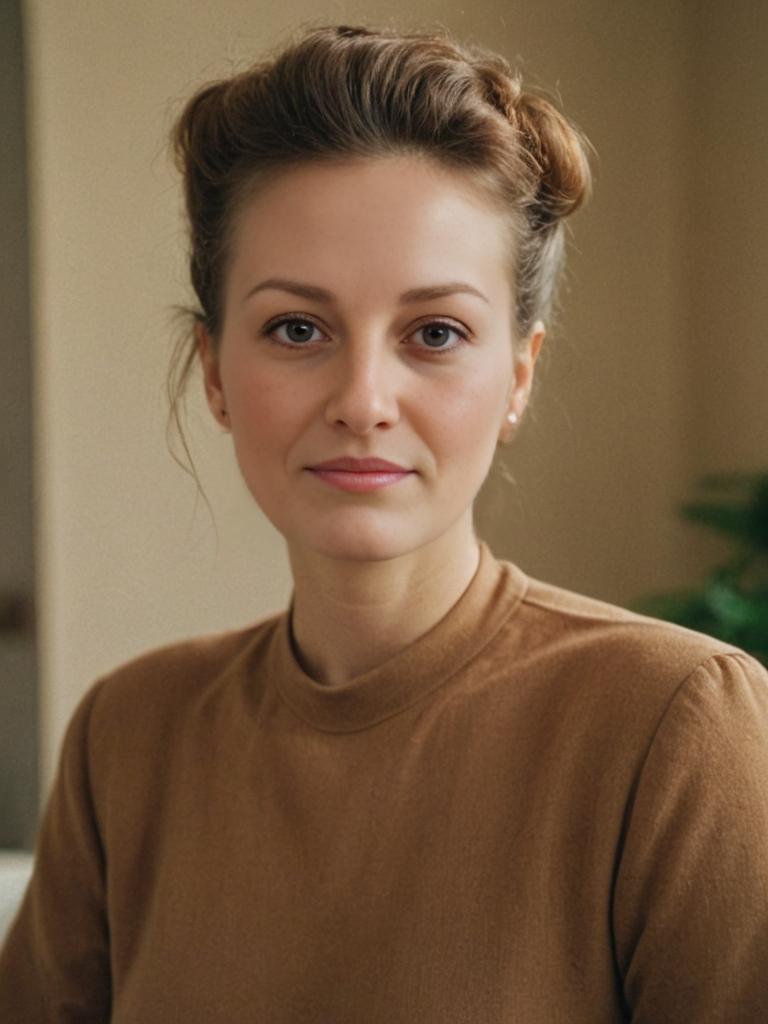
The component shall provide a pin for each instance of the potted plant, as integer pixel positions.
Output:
(732, 603)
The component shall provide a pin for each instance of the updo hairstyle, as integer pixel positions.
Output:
(342, 92)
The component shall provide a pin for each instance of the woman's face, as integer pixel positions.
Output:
(345, 354)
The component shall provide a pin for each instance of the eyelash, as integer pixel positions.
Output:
(271, 327)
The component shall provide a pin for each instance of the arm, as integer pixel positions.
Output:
(54, 965)
(690, 909)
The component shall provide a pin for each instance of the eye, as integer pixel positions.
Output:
(298, 330)
(436, 336)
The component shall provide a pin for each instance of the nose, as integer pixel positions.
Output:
(363, 389)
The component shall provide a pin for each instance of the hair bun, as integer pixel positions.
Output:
(559, 153)
(555, 150)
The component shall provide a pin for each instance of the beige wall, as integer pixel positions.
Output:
(728, 213)
(658, 369)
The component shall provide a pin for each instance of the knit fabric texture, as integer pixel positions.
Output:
(547, 809)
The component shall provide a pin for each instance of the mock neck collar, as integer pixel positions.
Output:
(431, 661)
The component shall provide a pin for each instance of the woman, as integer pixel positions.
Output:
(433, 789)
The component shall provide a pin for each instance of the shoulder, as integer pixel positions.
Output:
(582, 629)
(613, 668)
(158, 685)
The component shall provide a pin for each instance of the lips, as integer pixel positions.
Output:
(359, 476)
(350, 465)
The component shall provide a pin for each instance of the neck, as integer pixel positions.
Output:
(351, 616)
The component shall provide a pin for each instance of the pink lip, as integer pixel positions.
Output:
(359, 475)
(350, 465)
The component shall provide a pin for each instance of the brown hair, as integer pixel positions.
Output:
(341, 91)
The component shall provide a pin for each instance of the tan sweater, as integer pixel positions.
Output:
(545, 810)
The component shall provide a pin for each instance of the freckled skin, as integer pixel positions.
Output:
(366, 383)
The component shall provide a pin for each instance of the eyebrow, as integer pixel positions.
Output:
(316, 294)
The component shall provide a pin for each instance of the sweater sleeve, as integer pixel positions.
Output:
(54, 965)
(690, 910)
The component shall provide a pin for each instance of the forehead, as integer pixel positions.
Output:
(371, 224)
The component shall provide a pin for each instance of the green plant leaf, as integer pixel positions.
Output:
(736, 609)
(733, 519)
(732, 604)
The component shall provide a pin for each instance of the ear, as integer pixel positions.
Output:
(209, 359)
(524, 365)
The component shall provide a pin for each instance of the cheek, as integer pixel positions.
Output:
(259, 402)
(467, 418)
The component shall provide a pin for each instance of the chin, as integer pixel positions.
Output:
(358, 544)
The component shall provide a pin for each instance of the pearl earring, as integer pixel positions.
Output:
(512, 418)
